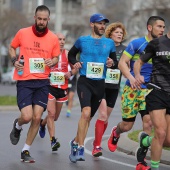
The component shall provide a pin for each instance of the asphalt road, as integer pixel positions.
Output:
(65, 131)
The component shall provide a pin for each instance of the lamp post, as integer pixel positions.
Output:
(40, 2)
(58, 14)
(1, 6)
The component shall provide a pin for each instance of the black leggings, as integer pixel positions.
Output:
(90, 93)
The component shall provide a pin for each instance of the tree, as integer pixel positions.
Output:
(10, 22)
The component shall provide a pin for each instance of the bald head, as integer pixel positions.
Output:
(62, 40)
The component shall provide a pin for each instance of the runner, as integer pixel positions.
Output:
(40, 49)
(158, 100)
(117, 32)
(133, 101)
(58, 93)
(96, 54)
(71, 91)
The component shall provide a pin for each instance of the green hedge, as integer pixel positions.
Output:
(8, 100)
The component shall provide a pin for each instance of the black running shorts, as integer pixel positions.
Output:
(90, 93)
(158, 99)
(111, 96)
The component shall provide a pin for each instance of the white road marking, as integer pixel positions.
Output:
(104, 158)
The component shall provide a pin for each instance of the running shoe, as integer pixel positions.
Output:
(55, 145)
(80, 154)
(97, 151)
(142, 166)
(42, 130)
(73, 153)
(25, 157)
(142, 150)
(113, 140)
(68, 114)
(15, 134)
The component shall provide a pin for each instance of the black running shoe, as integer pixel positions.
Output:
(15, 134)
(142, 150)
(55, 145)
(25, 157)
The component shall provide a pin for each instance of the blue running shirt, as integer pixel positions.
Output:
(134, 49)
(94, 50)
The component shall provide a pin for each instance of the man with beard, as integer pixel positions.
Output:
(158, 100)
(96, 54)
(133, 100)
(40, 49)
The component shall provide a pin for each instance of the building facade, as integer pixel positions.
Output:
(73, 16)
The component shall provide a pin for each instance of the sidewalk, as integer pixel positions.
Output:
(8, 108)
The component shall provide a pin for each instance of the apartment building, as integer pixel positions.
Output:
(74, 14)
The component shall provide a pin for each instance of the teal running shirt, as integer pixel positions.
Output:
(93, 50)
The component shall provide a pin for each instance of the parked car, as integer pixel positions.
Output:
(8, 76)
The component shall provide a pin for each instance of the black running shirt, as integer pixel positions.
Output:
(119, 51)
(159, 50)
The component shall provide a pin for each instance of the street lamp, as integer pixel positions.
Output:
(58, 15)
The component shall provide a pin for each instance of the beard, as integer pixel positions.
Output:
(96, 30)
(153, 35)
(40, 29)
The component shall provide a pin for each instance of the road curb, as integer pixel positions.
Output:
(15, 108)
(8, 108)
(129, 147)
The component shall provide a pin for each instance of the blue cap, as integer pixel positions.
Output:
(98, 18)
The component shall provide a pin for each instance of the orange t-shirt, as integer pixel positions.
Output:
(35, 50)
(58, 71)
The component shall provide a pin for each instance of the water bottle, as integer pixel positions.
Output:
(21, 61)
